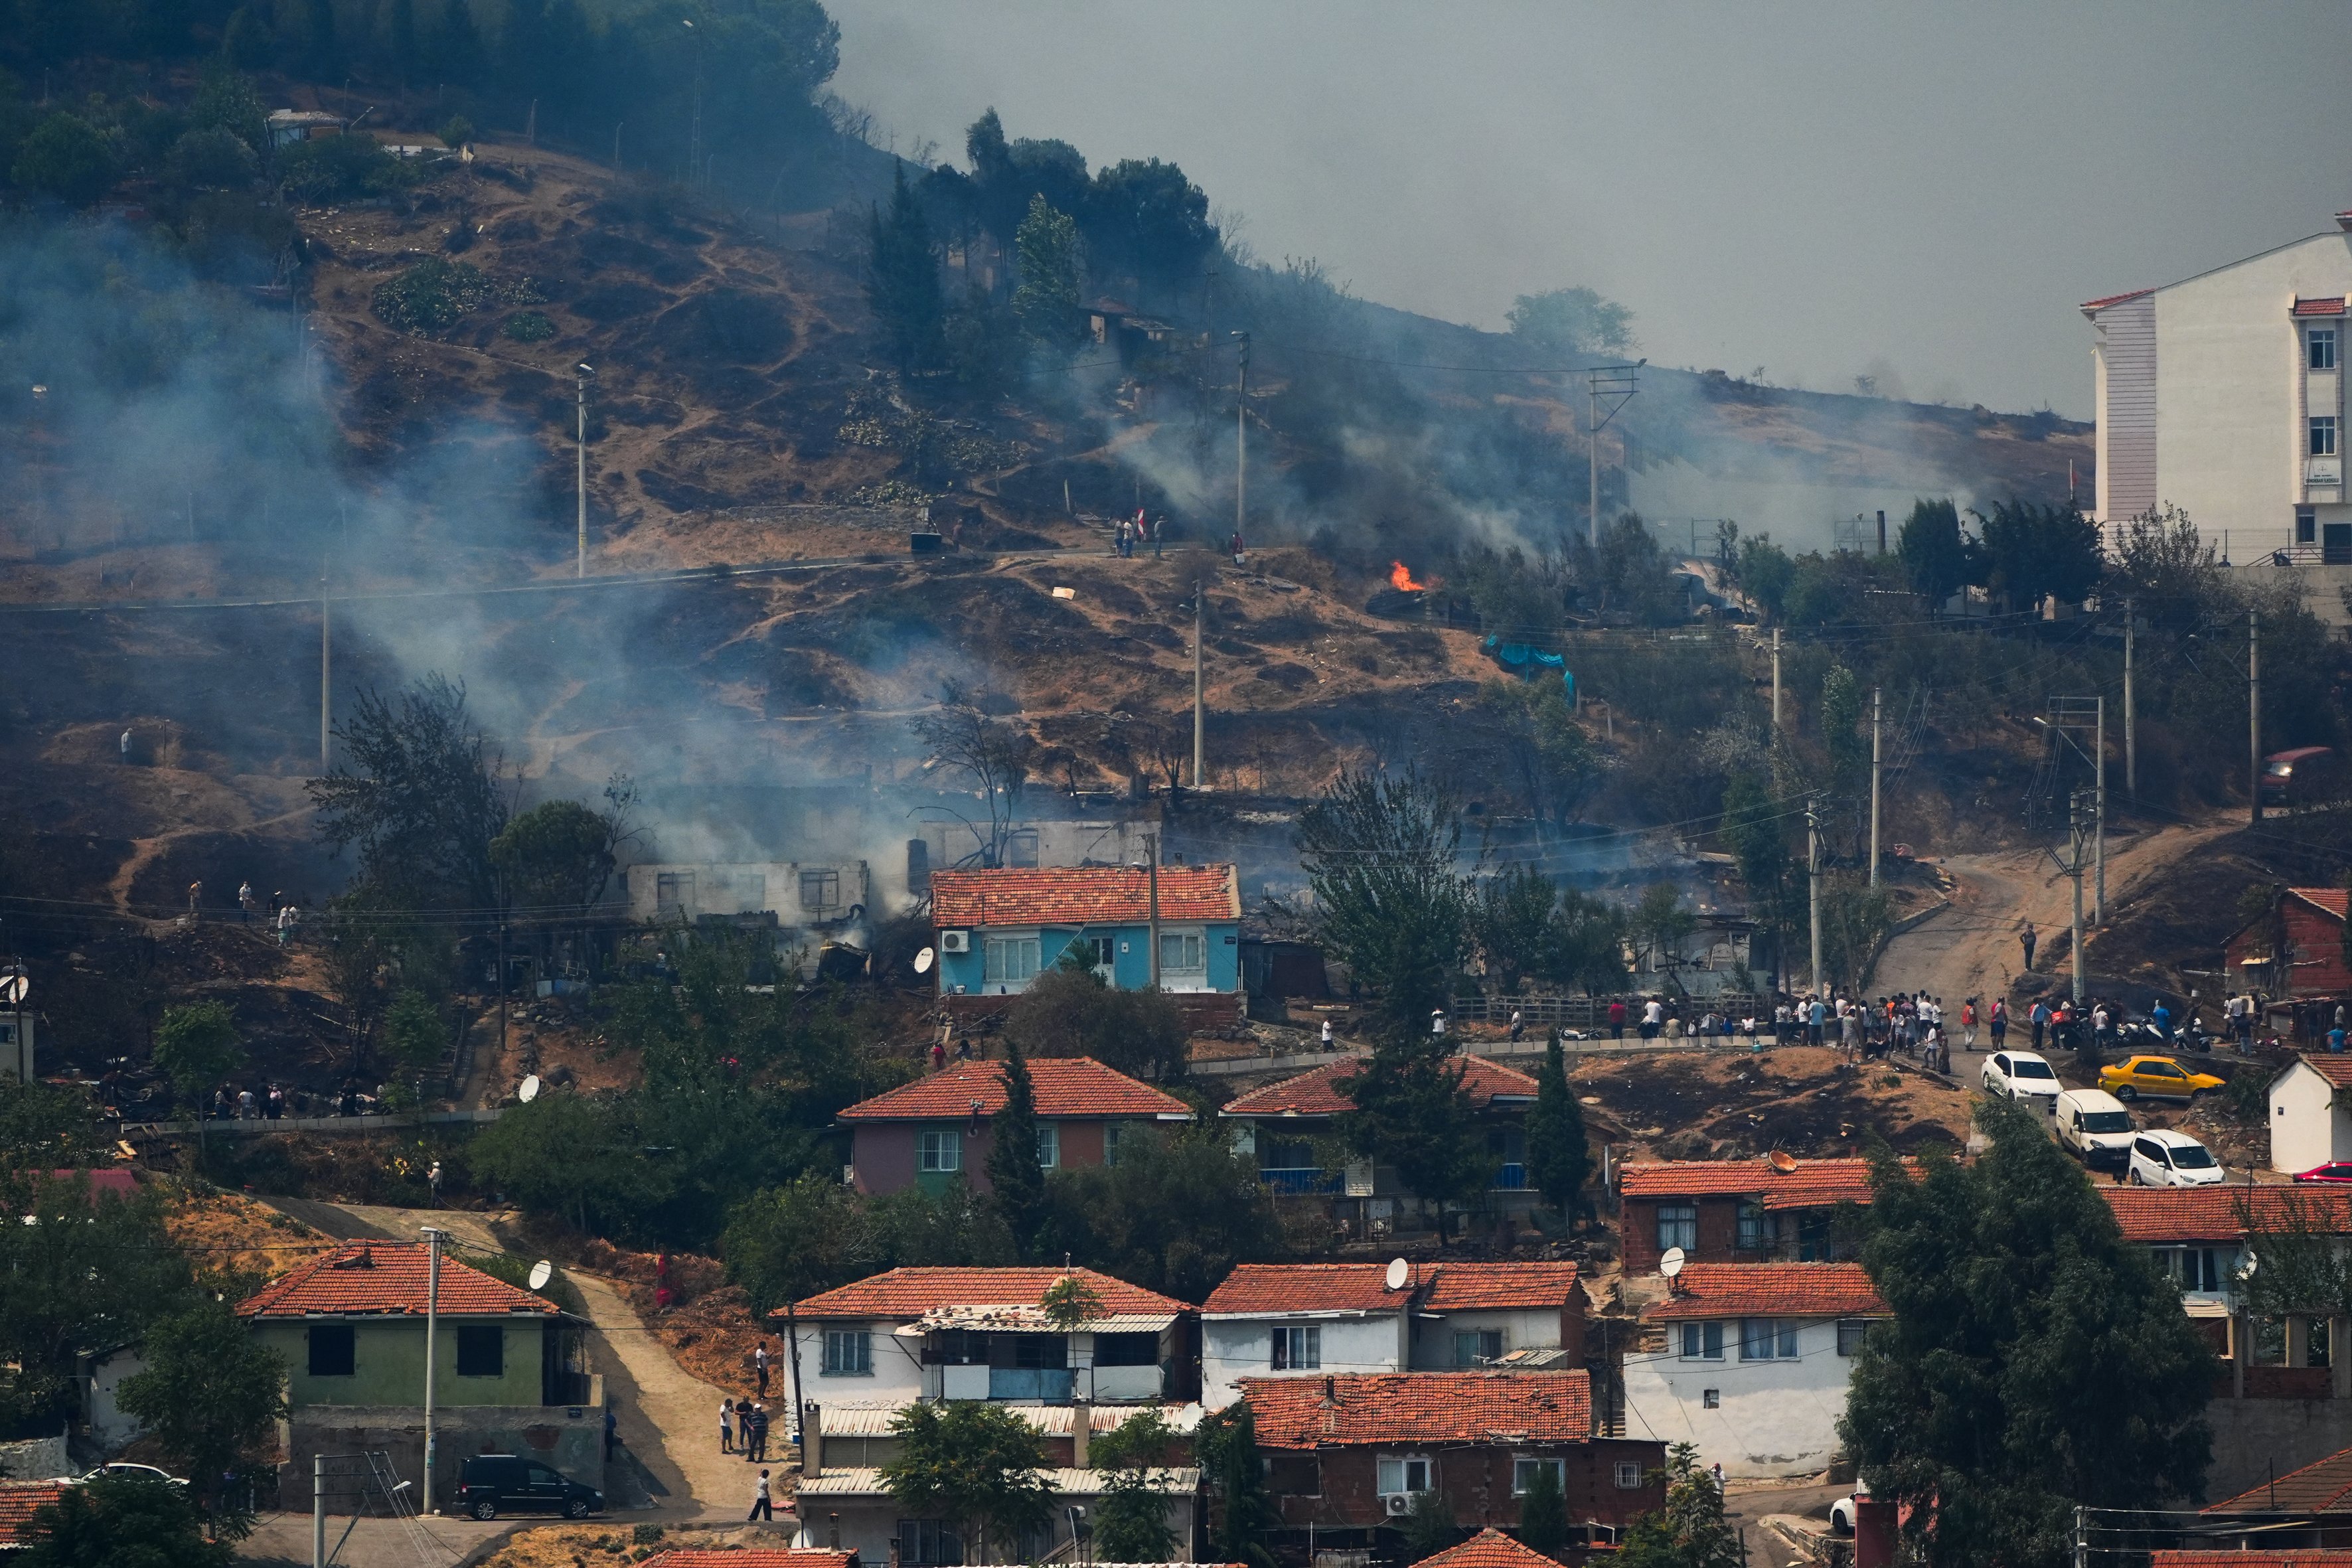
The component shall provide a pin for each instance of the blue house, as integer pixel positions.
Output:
(999, 930)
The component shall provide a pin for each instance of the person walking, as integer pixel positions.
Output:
(1969, 1024)
(726, 1425)
(2000, 1021)
(2027, 939)
(1617, 1019)
(762, 1505)
(1159, 534)
(1328, 1044)
(760, 1367)
(760, 1433)
(1234, 544)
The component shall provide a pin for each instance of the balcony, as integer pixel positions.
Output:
(1042, 1384)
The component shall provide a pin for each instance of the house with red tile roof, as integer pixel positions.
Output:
(18, 1502)
(937, 1131)
(2312, 919)
(510, 1367)
(1490, 1548)
(1347, 1456)
(758, 1557)
(1749, 1362)
(1776, 1208)
(2310, 1121)
(1000, 928)
(1299, 1320)
(1287, 1126)
(2311, 1506)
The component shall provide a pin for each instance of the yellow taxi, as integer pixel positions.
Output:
(2158, 1077)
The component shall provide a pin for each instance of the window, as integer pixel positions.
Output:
(330, 1350)
(929, 1543)
(1850, 1332)
(2269, 1340)
(1009, 960)
(1629, 1475)
(1506, 1145)
(673, 890)
(2307, 525)
(1126, 1350)
(1768, 1339)
(2315, 1342)
(1710, 1399)
(1396, 1476)
(1701, 1342)
(1294, 1475)
(848, 1352)
(2320, 348)
(481, 1351)
(1031, 1352)
(1523, 1473)
(956, 1347)
(1298, 1347)
(1111, 1131)
(1678, 1227)
(1476, 1347)
(2323, 436)
(1021, 848)
(1181, 952)
(1049, 1145)
(939, 1149)
(1752, 1233)
(820, 889)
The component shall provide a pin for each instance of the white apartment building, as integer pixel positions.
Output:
(2222, 395)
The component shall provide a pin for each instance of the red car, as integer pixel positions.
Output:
(2334, 1171)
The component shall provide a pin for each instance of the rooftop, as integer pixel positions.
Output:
(385, 1277)
(866, 1482)
(1499, 1287)
(736, 1557)
(2298, 1557)
(912, 1292)
(2213, 1214)
(1261, 1289)
(1779, 1289)
(2319, 307)
(2327, 900)
(1490, 1548)
(1423, 1407)
(1063, 1086)
(1318, 1093)
(1807, 1184)
(18, 1501)
(2113, 300)
(2322, 1487)
(1082, 895)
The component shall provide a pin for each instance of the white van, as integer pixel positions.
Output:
(2095, 1126)
(2162, 1159)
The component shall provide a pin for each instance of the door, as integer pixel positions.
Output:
(547, 1489)
(2335, 543)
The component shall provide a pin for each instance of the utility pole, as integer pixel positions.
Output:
(1813, 881)
(2076, 824)
(580, 562)
(2254, 718)
(432, 1334)
(2099, 892)
(1200, 708)
(1151, 850)
(326, 666)
(1614, 381)
(1875, 715)
(1776, 683)
(318, 1510)
(1240, 439)
(2131, 733)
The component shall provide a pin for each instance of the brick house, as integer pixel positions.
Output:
(19, 1500)
(1292, 1320)
(2312, 922)
(1490, 1548)
(1771, 1210)
(1345, 1455)
(928, 1133)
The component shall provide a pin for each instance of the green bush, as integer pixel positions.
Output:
(68, 158)
(342, 168)
(430, 297)
(530, 327)
(456, 131)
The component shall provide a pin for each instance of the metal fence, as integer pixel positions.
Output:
(1587, 1013)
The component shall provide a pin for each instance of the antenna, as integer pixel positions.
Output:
(530, 1090)
(1671, 1264)
(541, 1273)
(1399, 1273)
(924, 960)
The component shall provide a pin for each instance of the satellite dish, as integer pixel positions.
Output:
(2246, 1270)
(923, 960)
(13, 985)
(1399, 1273)
(1781, 1161)
(530, 1090)
(1671, 1263)
(541, 1273)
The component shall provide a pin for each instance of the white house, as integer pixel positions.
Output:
(850, 1509)
(797, 892)
(1297, 1319)
(1748, 1362)
(2309, 1125)
(2223, 395)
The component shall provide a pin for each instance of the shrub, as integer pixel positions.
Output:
(430, 297)
(530, 327)
(456, 131)
(341, 169)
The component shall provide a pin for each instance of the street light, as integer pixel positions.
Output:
(587, 372)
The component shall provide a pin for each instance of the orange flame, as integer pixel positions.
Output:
(1402, 578)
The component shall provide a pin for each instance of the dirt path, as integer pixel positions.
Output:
(668, 1418)
(1971, 948)
(354, 1222)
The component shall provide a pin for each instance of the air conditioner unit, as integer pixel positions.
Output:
(1399, 1503)
(955, 941)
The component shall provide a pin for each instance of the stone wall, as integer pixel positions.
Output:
(34, 1459)
(568, 1437)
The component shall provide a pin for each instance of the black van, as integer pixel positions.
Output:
(493, 1484)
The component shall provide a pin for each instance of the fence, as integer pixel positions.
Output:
(1587, 1013)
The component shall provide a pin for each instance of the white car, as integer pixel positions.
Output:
(119, 1471)
(1842, 1513)
(2162, 1159)
(2021, 1075)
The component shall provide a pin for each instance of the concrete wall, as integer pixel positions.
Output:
(568, 1437)
(866, 1524)
(748, 887)
(2256, 1438)
(899, 1377)
(1130, 957)
(882, 1154)
(34, 1459)
(1433, 1338)
(1235, 1348)
(1776, 1418)
(2308, 1127)
(109, 1423)
(388, 1363)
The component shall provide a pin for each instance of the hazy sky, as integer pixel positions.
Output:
(1925, 192)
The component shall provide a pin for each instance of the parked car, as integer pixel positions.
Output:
(2334, 1171)
(2162, 1159)
(2158, 1077)
(2021, 1075)
(119, 1471)
(1844, 1513)
(2095, 1126)
(493, 1484)
(2307, 775)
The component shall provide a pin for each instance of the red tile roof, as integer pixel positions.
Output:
(912, 1292)
(18, 1501)
(1422, 1407)
(368, 1277)
(2324, 1487)
(2211, 1214)
(2113, 300)
(1082, 895)
(2319, 307)
(2299, 1557)
(2337, 1069)
(1065, 1086)
(1814, 1183)
(1318, 1093)
(735, 1557)
(1499, 1287)
(2326, 900)
(1770, 1289)
(1266, 1288)
(1490, 1548)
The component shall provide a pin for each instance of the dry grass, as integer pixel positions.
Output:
(231, 1234)
(610, 1545)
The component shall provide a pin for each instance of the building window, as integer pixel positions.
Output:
(820, 890)
(939, 1149)
(929, 1543)
(2320, 348)
(2269, 1340)
(332, 1354)
(1294, 1475)
(1021, 848)
(1678, 1227)
(2323, 436)
(2191, 1268)
(1478, 1347)
(1751, 1225)
(481, 1351)
(1009, 960)
(674, 891)
(848, 1352)
(1523, 1473)
(1111, 1133)
(1768, 1339)
(1126, 1350)
(1299, 1347)
(1181, 952)
(2307, 525)
(1402, 1475)
(1049, 1145)
(1850, 1332)
(1508, 1146)
(1702, 1342)
(1710, 1399)
(1629, 1475)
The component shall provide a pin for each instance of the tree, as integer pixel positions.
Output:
(1544, 747)
(45, 1127)
(2174, 578)
(420, 799)
(1241, 1515)
(2035, 1361)
(1016, 1180)
(1379, 855)
(2030, 552)
(1690, 1531)
(211, 1394)
(557, 859)
(412, 1034)
(1146, 220)
(1752, 827)
(1936, 557)
(1659, 925)
(1543, 1513)
(1068, 1013)
(67, 158)
(1574, 323)
(1513, 919)
(121, 1523)
(1765, 573)
(213, 159)
(84, 1269)
(1052, 276)
(1131, 1520)
(1172, 1212)
(1409, 1110)
(1560, 1155)
(197, 1048)
(902, 279)
(786, 1244)
(976, 1465)
(1431, 1528)
(995, 755)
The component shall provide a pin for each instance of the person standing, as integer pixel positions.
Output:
(2040, 1019)
(2000, 1021)
(1327, 1043)
(1617, 1019)
(726, 1425)
(126, 747)
(1519, 1026)
(1437, 1023)
(760, 1367)
(195, 892)
(762, 1506)
(760, 1433)
(1159, 534)
(245, 903)
(1235, 545)
(2027, 939)
(1969, 1024)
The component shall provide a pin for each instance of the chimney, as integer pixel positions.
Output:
(832, 1531)
(811, 1439)
(1330, 1390)
(1082, 1432)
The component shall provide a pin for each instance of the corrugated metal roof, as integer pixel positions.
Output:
(1029, 1321)
(866, 1482)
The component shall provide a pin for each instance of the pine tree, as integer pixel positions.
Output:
(1431, 1528)
(1241, 1513)
(1053, 272)
(1560, 1155)
(902, 279)
(1017, 1179)
(1410, 1113)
